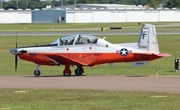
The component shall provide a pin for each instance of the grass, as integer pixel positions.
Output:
(127, 27)
(49, 99)
(59, 26)
(39, 99)
(165, 66)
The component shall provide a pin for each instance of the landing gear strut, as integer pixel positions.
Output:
(37, 71)
(79, 71)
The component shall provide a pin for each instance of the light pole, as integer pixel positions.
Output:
(61, 2)
(17, 3)
(1, 4)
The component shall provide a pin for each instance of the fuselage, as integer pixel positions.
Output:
(88, 55)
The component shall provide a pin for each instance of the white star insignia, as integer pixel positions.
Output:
(124, 52)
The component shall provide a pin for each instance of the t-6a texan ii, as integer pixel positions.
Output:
(87, 50)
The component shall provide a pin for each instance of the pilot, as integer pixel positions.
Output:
(71, 41)
(79, 40)
(89, 40)
(67, 42)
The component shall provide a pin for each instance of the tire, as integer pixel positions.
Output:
(66, 74)
(78, 71)
(37, 73)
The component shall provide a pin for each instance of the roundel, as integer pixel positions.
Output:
(123, 52)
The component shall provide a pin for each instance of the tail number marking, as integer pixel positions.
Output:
(145, 47)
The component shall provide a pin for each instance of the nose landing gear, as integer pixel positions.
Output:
(37, 72)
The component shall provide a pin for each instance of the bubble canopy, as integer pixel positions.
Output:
(78, 39)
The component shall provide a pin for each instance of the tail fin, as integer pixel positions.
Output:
(148, 40)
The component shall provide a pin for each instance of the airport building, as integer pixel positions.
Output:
(15, 16)
(91, 13)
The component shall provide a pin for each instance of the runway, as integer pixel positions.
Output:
(164, 84)
(49, 33)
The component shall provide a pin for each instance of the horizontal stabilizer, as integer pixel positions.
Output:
(163, 55)
(139, 63)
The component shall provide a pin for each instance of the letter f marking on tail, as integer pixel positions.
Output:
(143, 36)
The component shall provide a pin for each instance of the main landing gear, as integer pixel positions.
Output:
(78, 71)
(67, 72)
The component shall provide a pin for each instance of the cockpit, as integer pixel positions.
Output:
(78, 39)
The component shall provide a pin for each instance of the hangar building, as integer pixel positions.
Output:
(15, 16)
(104, 13)
(91, 13)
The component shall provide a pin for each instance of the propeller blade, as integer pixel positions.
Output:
(16, 62)
(16, 44)
(16, 56)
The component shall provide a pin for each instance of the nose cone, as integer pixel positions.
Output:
(13, 51)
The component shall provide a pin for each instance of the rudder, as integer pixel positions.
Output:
(148, 40)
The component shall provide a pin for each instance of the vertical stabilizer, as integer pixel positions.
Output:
(148, 40)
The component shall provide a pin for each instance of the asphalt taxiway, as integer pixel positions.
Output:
(165, 84)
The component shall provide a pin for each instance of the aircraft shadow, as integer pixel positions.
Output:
(51, 76)
(172, 71)
(137, 76)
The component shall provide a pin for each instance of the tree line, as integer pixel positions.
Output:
(38, 4)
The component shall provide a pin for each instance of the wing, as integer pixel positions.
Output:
(65, 59)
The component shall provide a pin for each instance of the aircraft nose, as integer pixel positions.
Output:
(14, 51)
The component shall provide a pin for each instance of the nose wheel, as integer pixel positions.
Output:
(37, 72)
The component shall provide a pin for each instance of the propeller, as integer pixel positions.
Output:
(16, 56)
(17, 52)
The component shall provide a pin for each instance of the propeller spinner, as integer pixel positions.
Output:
(17, 52)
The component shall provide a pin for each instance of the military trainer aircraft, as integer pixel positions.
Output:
(87, 50)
